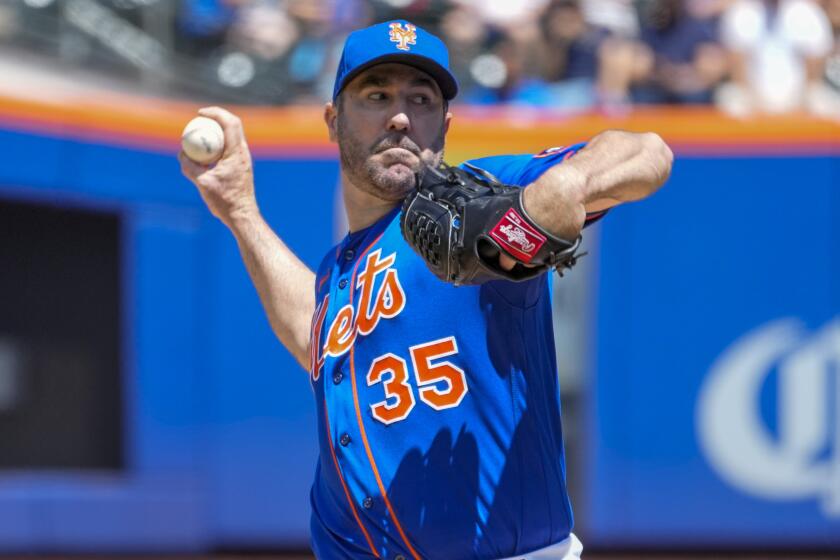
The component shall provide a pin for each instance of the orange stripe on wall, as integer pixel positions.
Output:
(153, 124)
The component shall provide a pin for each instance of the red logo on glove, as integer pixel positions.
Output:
(517, 237)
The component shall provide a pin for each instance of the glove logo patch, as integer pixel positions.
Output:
(517, 237)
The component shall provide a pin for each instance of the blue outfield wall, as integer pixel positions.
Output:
(718, 328)
(220, 441)
(714, 411)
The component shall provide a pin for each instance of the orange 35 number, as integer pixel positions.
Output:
(441, 385)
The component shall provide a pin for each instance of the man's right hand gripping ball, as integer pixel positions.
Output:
(227, 187)
(460, 222)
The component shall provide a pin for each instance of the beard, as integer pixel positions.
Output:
(389, 168)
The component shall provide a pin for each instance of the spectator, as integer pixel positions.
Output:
(311, 57)
(506, 14)
(501, 77)
(264, 29)
(465, 33)
(832, 65)
(570, 55)
(425, 13)
(203, 24)
(616, 16)
(348, 15)
(585, 64)
(778, 50)
(345, 16)
(687, 61)
(707, 10)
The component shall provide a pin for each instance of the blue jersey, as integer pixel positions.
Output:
(438, 406)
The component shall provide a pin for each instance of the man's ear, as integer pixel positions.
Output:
(447, 119)
(330, 118)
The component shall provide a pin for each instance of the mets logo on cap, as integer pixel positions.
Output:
(403, 36)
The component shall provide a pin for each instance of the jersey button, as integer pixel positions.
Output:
(337, 377)
(342, 283)
(344, 440)
(367, 502)
(349, 254)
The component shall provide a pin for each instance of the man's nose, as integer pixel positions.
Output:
(399, 121)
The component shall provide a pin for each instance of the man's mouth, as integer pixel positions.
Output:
(398, 150)
(399, 146)
(399, 156)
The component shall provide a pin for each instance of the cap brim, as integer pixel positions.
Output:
(445, 80)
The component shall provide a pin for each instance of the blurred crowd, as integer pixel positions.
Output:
(746, 56)
(570, 55)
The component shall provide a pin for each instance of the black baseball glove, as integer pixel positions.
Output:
(459, 222)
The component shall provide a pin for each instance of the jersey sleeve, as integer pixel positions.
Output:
(523, 169)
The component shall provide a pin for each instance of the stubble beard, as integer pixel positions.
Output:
(385, 182)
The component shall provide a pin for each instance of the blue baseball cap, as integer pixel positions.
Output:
(395, 41)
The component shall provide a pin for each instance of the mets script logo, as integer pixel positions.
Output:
(799, 373)
(403, 37)
(349, 322)
(517, 236)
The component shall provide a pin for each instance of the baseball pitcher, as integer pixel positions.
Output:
(427, 330)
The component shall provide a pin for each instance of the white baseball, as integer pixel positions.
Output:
(203, 140)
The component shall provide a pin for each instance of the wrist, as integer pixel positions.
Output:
(243, 217)
(555, 201)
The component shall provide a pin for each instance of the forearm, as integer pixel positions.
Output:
(285, 285)
(614, 167)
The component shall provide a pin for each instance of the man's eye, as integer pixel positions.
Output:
(421, 99)
(376, 96)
